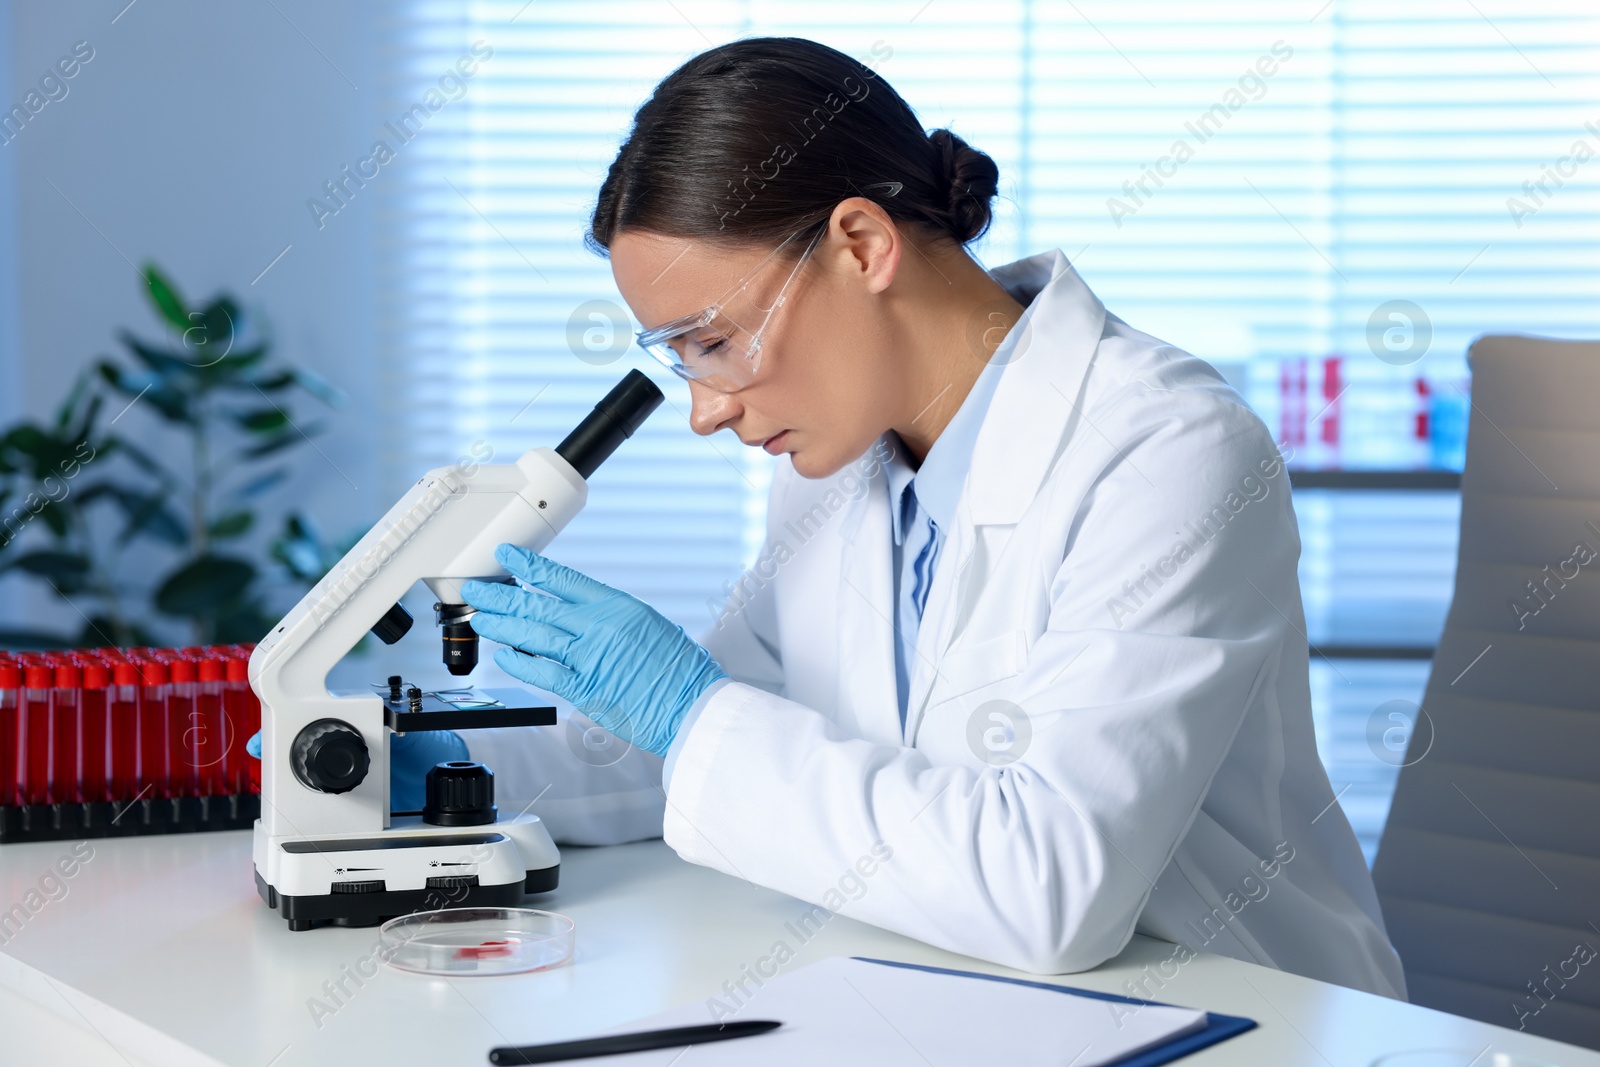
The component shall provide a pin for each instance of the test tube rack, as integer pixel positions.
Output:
(122, 742)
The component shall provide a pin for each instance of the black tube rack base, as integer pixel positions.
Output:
(141, 818)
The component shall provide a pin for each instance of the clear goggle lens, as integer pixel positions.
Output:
(715, 351)
(711, 347)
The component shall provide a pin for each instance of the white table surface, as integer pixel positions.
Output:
(160, 952)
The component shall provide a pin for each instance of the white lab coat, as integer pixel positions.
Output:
(1105, 733)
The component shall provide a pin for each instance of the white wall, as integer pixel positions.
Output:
(10, 371)
(193, 138)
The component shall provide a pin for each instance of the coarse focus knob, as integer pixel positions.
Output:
(329, 756)
(459, 793)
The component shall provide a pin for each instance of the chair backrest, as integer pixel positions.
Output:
(1489, 867)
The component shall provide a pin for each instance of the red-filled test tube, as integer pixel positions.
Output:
(34, 711)
(94, 709)
(10, 730)
(211, 725)
(183, 730)
(153, 685)
(123, 697)
(66, 734)
(244, 719)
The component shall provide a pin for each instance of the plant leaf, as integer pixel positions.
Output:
(204, 584)
(261, 420)
(284, 440)
(139, 456)
(148, 513)
(299, 548)
(69, 406)
(48, 456)
(297, 525)
(165, 297)
(273, 382)
(319, 387)
(88, 494)
(55, 518)
(233, 524)
(215, 329)
(100, 632)
(237, 363)
(67, 570)
(119, 380)
(85, 425)
(248, 623)
(155, 389)
(164, 364)
(299, 557)
(26, 438)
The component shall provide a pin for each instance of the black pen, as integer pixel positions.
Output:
(617, 1044)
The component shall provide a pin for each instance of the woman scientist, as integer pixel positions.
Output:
(1025, 639)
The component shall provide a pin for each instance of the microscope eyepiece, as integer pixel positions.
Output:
(460, 639)
(613, 421)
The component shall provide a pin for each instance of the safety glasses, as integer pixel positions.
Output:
(710, 346)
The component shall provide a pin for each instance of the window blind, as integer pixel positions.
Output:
(1255, 181)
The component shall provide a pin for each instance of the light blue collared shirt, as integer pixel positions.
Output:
(922, 507)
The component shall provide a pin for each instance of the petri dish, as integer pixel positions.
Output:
(1457, 1057)
(474, 941)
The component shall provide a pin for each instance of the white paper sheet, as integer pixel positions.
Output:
(842, 1012)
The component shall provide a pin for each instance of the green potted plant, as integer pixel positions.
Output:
(153, 544)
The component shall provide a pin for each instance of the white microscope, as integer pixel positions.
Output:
(327, 848)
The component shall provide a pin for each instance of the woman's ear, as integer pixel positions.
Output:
(867, 244)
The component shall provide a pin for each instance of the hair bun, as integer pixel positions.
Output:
(972, 179)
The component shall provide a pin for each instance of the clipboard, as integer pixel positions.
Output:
(1218, 1027)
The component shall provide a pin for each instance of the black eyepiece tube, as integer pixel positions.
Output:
(612, 422)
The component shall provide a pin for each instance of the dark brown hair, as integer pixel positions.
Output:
(759, 139)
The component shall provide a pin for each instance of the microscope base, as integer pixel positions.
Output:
(371, 909)
(363, 879)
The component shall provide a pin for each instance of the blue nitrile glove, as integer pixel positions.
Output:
(619, 661)
(411, 757)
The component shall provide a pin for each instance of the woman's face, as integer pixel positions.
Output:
(825, 374)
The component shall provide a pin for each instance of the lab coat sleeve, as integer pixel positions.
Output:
(1044, 864)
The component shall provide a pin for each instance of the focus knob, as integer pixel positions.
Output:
(329, 756)
(460, 793)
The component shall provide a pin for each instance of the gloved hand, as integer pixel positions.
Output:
(411, 757)
(619, 661)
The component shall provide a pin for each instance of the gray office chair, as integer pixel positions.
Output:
(1489, 867)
